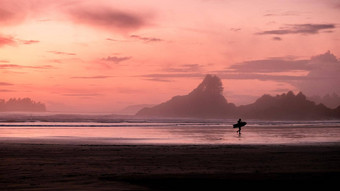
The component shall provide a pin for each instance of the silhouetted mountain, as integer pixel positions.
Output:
(331, 101)
(133, 109)
(25, 104)
(206, 100)
(286, 106)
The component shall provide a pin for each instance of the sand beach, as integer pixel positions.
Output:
(27, 166)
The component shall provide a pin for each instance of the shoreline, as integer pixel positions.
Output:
(164, 167)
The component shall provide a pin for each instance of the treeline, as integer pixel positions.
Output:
(21, 104)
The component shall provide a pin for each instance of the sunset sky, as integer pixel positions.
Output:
(104, 55)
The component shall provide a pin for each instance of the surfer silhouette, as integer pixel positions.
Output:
(238, 125)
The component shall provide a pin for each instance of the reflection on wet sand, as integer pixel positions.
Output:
(168, 133)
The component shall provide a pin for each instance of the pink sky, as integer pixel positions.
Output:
(101, 56)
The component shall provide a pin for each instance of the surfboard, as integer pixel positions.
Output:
(237, 125)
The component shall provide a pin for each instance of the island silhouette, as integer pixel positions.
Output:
(21, 104)
(207, 101)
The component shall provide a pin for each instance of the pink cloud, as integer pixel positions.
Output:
(11, 41)
(146, 39)
(29, 41)
(62, 53)
(107, 18)
(7, 40)
(15, 66)
(322, 78)
(91, 77)
(116, 59)
(5, 84)
(299, 29)
(87, 13)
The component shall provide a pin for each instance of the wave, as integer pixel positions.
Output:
(170, 124)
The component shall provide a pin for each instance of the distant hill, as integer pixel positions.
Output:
(286, 106)
(207, 101)
(204, 101)
(133, 109)
(330, 101)
(24, 104)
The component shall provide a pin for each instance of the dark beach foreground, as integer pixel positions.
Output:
(167, 167)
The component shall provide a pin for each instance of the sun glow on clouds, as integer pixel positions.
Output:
(104, 55)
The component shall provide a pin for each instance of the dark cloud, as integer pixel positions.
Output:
(323, 77)
(116, 59)
(270, 65)
(299, 29)
(62, 53)
(107, 18)
(146, 39)
(322, 73)
(257, 76)
(13, 12)
(277, 38)
(91, 77)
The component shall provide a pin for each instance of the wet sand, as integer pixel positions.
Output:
(167, 167)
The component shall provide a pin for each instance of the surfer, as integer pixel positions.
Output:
(238, 125)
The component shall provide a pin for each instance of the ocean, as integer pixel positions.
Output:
(171, 131)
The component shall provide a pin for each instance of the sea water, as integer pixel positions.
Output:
(171, 132)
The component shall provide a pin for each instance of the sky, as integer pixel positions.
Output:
(105, 55)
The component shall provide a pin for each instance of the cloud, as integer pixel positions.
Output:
(184, 68)
(15, 66)
(277, 38)
(62, 53)
(91, 77)
(157, 79)
(235, 29)
(5, 84)
(322, 73)
(286, 13)
(165, 76)
(115, 40)
(323, 77)
(11, 41)
(6, 40)
(270, 66)
(29, 41)
(116, 59)
(298, 29)
(146, 39)
(4, 61)
(87, 13)
(82, 94)
(106, 18)
(5, 90)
